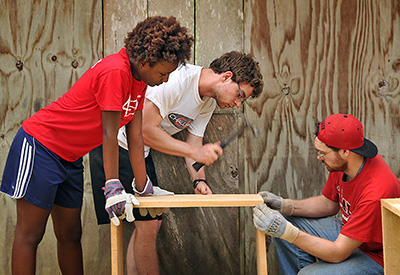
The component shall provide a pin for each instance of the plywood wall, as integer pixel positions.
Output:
(45, 46)
(317, 58)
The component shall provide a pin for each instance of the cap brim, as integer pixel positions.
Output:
(368, 150)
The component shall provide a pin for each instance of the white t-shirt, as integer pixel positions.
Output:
(179, 103)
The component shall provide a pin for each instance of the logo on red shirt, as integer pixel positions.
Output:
(130, 106)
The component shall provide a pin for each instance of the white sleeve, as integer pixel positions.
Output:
(122, 140)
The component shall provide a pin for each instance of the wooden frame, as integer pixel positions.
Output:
(183, 200)
(391, 235)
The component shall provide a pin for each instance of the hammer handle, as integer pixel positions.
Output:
(198, 165)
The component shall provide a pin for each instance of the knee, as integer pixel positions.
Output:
(31, 237)
(73, 234)
(147, 230)
(313, 269)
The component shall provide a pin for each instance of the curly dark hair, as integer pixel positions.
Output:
(244, 68)
(158, 39)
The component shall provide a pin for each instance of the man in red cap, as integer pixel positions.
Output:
(308, 239)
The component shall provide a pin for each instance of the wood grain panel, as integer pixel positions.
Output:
(45, 46)
(219, 28)
(319, 58)
(120, 17)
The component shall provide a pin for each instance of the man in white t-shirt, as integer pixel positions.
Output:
(186, 101)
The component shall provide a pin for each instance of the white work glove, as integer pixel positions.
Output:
(161, 192)
(155, 191)
(272, 223)
(119, 204)
(284, 206)
(147, 190)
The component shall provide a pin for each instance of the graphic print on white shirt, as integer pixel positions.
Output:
(179, 121)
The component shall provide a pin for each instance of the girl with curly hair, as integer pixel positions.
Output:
(44, 170)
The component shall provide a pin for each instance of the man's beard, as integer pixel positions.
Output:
(340, 165)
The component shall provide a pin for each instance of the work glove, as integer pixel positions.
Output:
(150, 190)
(147, 190)
(284, 206)
(272, 223)
(161, 192)
(119, 204)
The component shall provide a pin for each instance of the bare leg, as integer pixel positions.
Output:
(143, 258)
(130, 257)
(68, 230)
(29, 231)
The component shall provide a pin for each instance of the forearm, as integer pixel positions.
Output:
(323, 249)
(110, 157)
(315, 207)
(192, 172)
(136, 156)
(136, 149)
(159, 140)
(110, 121)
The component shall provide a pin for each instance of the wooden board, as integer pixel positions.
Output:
(391, 235)
(185, 200)
(393, 205)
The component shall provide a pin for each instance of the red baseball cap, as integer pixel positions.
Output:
(346, 132)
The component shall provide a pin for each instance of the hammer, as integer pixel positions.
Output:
(256, 132)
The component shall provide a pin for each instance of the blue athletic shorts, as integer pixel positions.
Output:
(40, 176)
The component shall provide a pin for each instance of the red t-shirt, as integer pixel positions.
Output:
(360, 203)
(72, 126)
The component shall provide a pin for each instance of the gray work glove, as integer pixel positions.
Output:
(272, 223)
(284, 206)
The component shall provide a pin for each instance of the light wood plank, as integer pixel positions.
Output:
(391, 235)
(392, 204)
(117, 253)
(185, 200)
(261, 251)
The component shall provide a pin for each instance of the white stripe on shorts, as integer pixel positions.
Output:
(24, 170)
